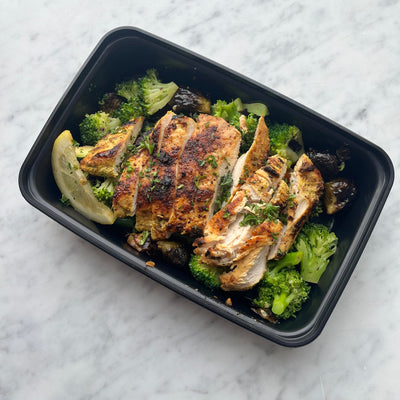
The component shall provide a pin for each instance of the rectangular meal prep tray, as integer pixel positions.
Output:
(126, 52)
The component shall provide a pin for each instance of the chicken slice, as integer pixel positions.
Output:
(209, 154)
(248, 270)
(148, 175)
(106, 157)
(126, 191)
(226, 238)
(176, 135)
(254, 158)
(306, 187)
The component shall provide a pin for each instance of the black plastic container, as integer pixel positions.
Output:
(127, 52)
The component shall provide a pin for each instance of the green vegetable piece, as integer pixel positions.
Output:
(95, 126)
(282, 289)
(286, 141)
(317, 244)
(104, 191)
(207, 275)
(256, 108)
(230, 112)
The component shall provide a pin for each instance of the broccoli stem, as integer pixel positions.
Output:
(281, 302)
(289, 260)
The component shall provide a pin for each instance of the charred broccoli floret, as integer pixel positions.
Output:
(95, 126)
(286, 141)
(317, 244)
(282, 290)
(207, 275)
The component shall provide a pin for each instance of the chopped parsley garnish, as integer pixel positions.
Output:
(212, 161)
(257, 213)
(147, 145)
(197, 180)
(225, 186)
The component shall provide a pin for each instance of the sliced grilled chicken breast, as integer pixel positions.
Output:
(125, 193)
(106, 157)
(254, 158)
(176, 134)
(250, 268)
(209, 154)
(137, 166)
(148, 175)
(226, 238)
(306, 187)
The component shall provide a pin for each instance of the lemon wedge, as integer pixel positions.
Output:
(73, 184)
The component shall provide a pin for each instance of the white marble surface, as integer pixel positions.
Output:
(77, 324)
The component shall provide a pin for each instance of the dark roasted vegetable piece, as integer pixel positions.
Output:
(189, 102)
(111, 102)
(338, 193)
(329, 164)
(174, 252)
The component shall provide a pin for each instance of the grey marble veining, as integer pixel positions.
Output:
(77, 324)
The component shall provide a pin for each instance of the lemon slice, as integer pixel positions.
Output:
(73, 184)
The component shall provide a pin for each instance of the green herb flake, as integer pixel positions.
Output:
(143, 237)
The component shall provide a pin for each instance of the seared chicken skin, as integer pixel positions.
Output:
(209, 154)
(306, 187)
(106, 157)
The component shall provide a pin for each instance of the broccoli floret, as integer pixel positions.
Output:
(230, 113)
(286, 141)
(145, 96)
(224, 110)
(104, 191)
(155, 94)
(132, 108)
(282, 289)
(95, 126)
(207, 275)
(317, 244)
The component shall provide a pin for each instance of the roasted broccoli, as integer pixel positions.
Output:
(282, 290)
(95, 126)
(155, 94)
(207, 275)
(246, 125)
(145, 96)
(104, 191)
(286, 141)
(317, 244)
